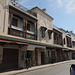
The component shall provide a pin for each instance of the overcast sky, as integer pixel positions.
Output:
(63, 11)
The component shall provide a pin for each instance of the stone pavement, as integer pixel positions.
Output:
(33, 68)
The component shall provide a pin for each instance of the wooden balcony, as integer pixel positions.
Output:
(23, 34)
(58, 42)
(69, 43)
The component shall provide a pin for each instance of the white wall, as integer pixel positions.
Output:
(4, 13)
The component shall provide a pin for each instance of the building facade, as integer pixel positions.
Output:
(31, 34)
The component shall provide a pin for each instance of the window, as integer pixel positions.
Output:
(55, 36)
(50, 33)
(28, 27)
(64, 40)
(15, 22)
(43, 29)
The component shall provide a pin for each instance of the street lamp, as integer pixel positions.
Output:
(14, 2)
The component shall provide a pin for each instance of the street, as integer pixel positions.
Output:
(62, 69)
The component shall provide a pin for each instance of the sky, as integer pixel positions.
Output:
(63, 11)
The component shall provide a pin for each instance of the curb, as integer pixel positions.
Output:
(34, 68)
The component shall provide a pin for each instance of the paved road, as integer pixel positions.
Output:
(62, 69)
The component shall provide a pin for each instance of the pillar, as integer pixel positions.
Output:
(35, 31)
(24, 35)
(11, 18)
(22, 56)
(56, 55)
(45, 57)
(33, 57)
(38, 57)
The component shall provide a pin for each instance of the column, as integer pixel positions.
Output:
(45, 56)
(49, 56)
(22, 56)
(56, 55)
(39, 57)
(33, 57)
(24, 28)
(11, 18)
(35, 31)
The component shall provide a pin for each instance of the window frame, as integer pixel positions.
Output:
(16, 25)
(43, 29)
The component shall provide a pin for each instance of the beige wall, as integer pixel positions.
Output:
(4, 16)
(46, 21)
(73, 39)
(64, 36)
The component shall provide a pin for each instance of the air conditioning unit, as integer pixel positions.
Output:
(14, 2)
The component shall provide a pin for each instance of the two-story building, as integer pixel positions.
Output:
(18, 35)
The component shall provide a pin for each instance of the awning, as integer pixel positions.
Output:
(34, 42)
(42, 27)
(21, 43)
(5, 41)
(50, 31)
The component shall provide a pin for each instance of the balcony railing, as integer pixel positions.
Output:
(58, 42)
(15, 32)
(23, 34)
(69, 45)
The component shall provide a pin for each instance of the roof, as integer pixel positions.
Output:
(22, 11)
(43, 12)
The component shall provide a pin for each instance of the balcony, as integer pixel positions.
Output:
(58, 42)
(21, 25)
(20, 33)
(58, 37)
(69, 43)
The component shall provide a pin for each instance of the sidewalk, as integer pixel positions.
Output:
(33, 68)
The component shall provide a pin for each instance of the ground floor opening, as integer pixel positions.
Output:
(10, 59)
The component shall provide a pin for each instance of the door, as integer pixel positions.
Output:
(10, 59)
(53, 57)
(42, 58)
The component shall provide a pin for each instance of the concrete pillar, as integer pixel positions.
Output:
(33, 57)
(45, 56)
(56, 55)
(39, 57)
(49, 56)
(22, 55)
